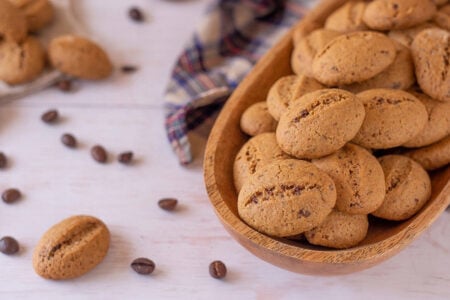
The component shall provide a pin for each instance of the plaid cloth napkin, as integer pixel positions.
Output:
(231, 38)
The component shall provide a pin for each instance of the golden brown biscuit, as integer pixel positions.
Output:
(287, 89)
(434, 156)
(256, 119)
(39, 13)
(13, 25)
(71, 248)
(348, 17)
(79, 57)
(398, 14)
(406, 36)
(393, 117)
(353, 57)
(319, 123)
(21, 62)
(358, 177)
(408, 188)
(286, 198)
(339, 230)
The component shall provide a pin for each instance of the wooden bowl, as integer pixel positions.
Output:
(384, 238)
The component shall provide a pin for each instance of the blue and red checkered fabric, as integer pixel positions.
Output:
(228, 41)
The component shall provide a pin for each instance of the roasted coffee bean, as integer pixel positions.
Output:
(69, 140)
(3, 160)
(128, 69)
(11, 195)
(168, 203)
(8, 245)
(64, 85)
(143, 266)
(217, 269)
(50, 116)
(135, 14)
(125, 157)
(99, 154)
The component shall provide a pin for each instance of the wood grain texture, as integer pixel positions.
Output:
(384, 239)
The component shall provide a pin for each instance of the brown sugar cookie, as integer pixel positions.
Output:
(286, 198)
(348, 17)
(339, 230)
(13, 25)
(408, 188)
(406, 36)
(393, 117)
(442, 17)
(79, 57)
(319, 123)
(398, 14)
(287, 89)
(255, 153)
(21, 62)
(399, 75)
(38, 13)
(353, 57)
(256, 119)
(431, 52)
(358, 177)
(306, 49)
(71, 248)
(438, 123)
(434, 156)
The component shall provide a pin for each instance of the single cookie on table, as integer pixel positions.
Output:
(339, 230)
(320, 123)
(256, 119)
(13, 25)
(21, 62)
(434, 156)
(358, 177)
(438, 123)
(353, 57)
(255, 153)
(406, 36)
(398, 14)
(399, 75)
(348, 17)
(305, 50)
(408, 188)
(286, 198)
(430, 50)
(79, 57)
(287, 89)
(393, 117)
(38, 13)
(442, 17)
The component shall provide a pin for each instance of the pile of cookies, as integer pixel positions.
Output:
(354, 130)
(23, 58)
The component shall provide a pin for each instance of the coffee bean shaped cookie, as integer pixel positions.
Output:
(305, 50)
(393, 117)
(353, 57)
(255, 153)
(21, 62)
(339, 230)
(438, 123)
(287, 89)
(358, 177)
(256, 119)
(71, 248)
(408, 188)
(399, 75)
(442, 17)
(434, 156)
(38, 13)
(320, 123)
(398, 14)
(286, 198)
(13, 25)
(348, 17)
(79, 57)
(406, 36)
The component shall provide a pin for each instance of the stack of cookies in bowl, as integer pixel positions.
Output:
(353, 132)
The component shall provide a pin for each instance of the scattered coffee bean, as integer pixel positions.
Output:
(125, 157)
(11, 195)
(69, 140)
(168, 204)
(135, 14)
(217, 269)
(64, 85)
(8, 245)
(128, 69)
(50, 116)
(3, 160)
(143, 266)
(99, 154)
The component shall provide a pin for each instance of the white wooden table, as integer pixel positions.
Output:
(125, 113)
